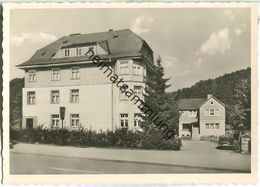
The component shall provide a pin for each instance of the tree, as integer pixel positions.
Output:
(160, 102)
(239, 114)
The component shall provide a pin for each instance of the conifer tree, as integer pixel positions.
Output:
(160, 102)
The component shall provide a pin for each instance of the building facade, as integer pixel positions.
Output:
(201, 117)
(62, 75)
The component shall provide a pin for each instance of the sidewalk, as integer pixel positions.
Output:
(193, 153)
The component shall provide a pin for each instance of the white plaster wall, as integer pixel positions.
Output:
(94, 105)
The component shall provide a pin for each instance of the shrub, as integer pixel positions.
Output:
(120, 138)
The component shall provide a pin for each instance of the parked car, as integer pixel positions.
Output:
(225, 143)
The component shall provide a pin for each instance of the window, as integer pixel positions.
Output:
(32, 75)
(217, 112)
(123, 67)
(122, 96)
(212, 112)
(67, 52)
(185, 126)
(31, 98)
(211, 102)
(216, 125)
(212, 126)
(75, 73)
(207, 125)
(74, 96)
(78, 52)
(137, 119)
(55, 74)
(55, 120)
(124, 120)
(55, 96)
(137, 68)
(74, 120)
(138, 91)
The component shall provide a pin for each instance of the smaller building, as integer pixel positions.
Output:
(201, 117)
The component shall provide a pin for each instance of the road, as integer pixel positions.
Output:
(21, 163)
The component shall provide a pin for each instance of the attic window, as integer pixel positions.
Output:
(211, 102)
(43, 53)
(65, 41)
(115, 36)
(53, 54)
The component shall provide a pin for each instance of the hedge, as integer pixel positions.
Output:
(120, 138)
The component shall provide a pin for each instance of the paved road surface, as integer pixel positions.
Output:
(42, 164)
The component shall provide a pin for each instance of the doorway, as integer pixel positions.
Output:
(29, 123)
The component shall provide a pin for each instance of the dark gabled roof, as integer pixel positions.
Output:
(126, 43)
(185, 104)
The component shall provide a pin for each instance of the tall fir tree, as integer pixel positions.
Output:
(160, 102)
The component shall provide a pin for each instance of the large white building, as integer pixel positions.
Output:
(61, 74)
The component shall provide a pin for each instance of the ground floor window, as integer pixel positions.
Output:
(212, 125)
(55, 120)
(124, 120)
(216, 125)
(185, 126)
(137, 119)
(74, 120)
(207, 125)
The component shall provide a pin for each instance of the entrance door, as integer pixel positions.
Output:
(195, 128)
(29, 123)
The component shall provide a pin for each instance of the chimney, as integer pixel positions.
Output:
(209, 96)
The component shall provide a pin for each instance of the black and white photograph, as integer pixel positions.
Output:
(130, 90)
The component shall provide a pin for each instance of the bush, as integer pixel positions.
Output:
(120, 138)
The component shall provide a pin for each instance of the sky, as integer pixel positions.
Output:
(194, 43)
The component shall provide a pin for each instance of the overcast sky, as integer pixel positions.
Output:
(194, 43)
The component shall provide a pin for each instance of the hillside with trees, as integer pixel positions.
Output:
(233, 89)
(16, 86)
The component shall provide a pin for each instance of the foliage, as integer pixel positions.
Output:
(159, 101)
(120, 138)
(16, 86)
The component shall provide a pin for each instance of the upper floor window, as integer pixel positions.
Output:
(74, 120)
(123, 67)
(212, 112)
(124, 120)
(55, 96)
(55, 76)
(55, 120)
(212, 126)
(78, 52)
(31, 98)
(67, 52)
(75, 72)
(138, 91)
(32, 75)
(137, 119)
(74, 96)
(137, 68)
